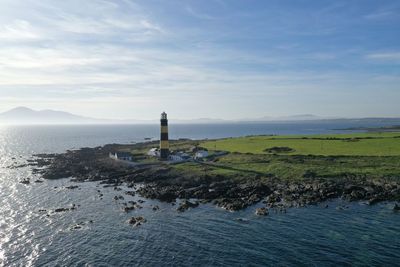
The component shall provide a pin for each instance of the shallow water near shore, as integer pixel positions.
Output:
(354, 234)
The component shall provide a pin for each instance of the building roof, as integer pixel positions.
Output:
(123, 154)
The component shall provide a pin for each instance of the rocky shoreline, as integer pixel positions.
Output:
(161, 182)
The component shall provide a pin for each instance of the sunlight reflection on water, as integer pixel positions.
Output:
(362, 235)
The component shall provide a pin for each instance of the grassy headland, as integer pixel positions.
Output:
(323, 156)
(282, 170)
(360, 144)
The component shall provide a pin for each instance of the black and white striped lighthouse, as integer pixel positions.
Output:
(164, 144)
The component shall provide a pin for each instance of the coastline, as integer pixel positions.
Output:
(233, 189)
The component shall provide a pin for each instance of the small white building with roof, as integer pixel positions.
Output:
(154, 152)
(201, 154)
(121, 156)
(179, 156)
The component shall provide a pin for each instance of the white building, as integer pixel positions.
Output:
(201, 154)
(175, 158)
(179, 156)
(121, 156)
(154, 152)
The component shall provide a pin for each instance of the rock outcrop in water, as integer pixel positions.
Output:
(137, 221)
(185, 205)
(262, 211)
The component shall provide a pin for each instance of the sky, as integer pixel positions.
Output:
(228, 59)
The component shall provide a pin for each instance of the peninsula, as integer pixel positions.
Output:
(280, 171)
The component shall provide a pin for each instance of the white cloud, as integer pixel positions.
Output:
(18, 30)
(105, 26)
(114, 53)
(151, 26)
(61, 20)
(387, 12)
(199, 15)
(323, 56)
(388, 56)
(379, 15)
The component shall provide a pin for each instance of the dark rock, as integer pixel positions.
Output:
(136, 221)
(72, 187)
(162, 193)
(119, 198)
(262, 211)
(25, 181)
(131, 193)
(373, 201)
(186, 205)
(61, 209)
(273, 198)
(127, 209)
(231, 204)
(73, 207)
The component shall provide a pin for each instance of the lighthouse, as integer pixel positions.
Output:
(164, 144)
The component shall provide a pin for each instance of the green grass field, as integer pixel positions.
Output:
(358, 144)
(357, 155)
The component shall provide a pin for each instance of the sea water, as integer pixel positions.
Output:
(358, 235)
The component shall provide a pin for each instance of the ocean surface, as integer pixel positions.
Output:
(358, 235)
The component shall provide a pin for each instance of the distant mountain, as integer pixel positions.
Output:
(23, 115)
(201, 121)
(300, 117)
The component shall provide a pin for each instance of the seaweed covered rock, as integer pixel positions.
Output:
(166, 194)
(137, 221)
(186, 204)
(262, 211)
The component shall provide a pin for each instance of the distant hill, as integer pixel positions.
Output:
(23, 115)
(300, 117)
(201, 121)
